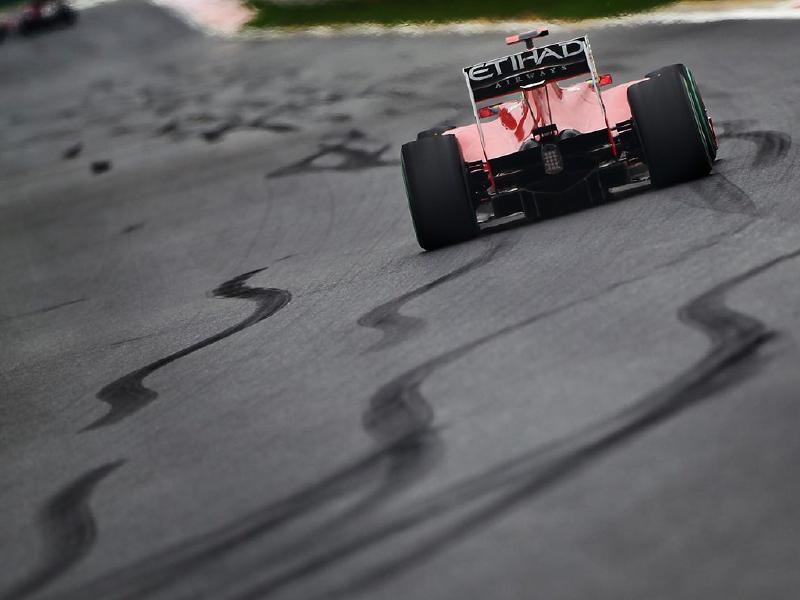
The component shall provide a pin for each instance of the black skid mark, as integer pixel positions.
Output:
(272, 126)
(401, 420)
(98, 167)
(710, 242)
(132, 227)
(720, 194)
(771, 145)
(398, 414)
(397, 328)
(397, 417)
(391, 467)
(127, 395)
(130, 340)
(403, 463)
(219, 130)
(69, 531)
(72, 151)
(350, 157)
(717, 191)
(734, 125)
(734, 339)
(44, 310)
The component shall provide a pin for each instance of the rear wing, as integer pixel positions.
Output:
(509, 74)
(530, 68)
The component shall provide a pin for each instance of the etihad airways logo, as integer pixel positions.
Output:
(526, 61)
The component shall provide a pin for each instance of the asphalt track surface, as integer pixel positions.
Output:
(229, 372)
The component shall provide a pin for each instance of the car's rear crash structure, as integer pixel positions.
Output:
(537, 148)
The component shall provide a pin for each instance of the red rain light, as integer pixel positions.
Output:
(605, 80)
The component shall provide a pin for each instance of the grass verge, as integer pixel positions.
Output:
(270, 13)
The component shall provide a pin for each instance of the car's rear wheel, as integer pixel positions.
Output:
(438, 197)
(434, 131)
(699, 104)
(672, 125)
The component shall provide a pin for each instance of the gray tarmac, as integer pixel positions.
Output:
(227, 370)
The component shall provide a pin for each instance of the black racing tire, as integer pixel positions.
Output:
(434, 131)
(672, 126)
(26, 28)
(67, 15)
(694, 90)
(438, 197)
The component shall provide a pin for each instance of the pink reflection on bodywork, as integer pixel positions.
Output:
(574, 107)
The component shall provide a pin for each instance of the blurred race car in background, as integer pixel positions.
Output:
(38, 16)
(538, 149)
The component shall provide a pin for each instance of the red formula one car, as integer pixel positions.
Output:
(538, 148)
(39, 15)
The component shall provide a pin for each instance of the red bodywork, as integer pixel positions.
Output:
(574, 107)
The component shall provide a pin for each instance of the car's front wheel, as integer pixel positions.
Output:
(67, 15)
(438, 197)
(672, 125)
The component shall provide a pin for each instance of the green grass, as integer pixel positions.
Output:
(392, 12)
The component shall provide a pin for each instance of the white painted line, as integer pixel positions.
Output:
(84, 4)
(226, 17)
